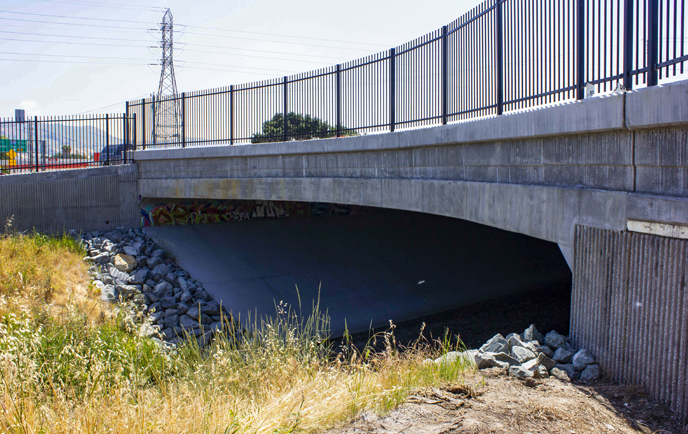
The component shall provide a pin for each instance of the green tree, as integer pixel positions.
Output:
(299, 127)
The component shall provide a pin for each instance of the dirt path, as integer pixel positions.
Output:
(490, 402)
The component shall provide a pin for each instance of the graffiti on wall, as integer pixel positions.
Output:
(195, 212)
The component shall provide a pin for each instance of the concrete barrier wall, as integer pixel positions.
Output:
(101, 198)
(630, 308)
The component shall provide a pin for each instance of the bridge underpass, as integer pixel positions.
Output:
(366, 269)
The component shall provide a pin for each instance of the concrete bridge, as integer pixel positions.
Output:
(605, 178)
(601, 163)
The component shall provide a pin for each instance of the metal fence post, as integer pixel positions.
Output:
(133, 118)
(628, 45)
(125, 122)
(499, 43)
(107, 140)
(231, 114)
(35, 131)
(143, 123)
(183, 119)
(284, 127)
(338, 100)
(445, 75)
(154, 107)
(580, 49)
(652, 42)
(392, 90)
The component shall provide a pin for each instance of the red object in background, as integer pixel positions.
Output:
(96, 156)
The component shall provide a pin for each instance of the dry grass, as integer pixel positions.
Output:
(38, 271)
(69, 374)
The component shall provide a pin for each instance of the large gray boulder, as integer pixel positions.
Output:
(522, 354)
(130, 251)
(186, 297)
(211, 308)
(194, 312)
(160, 270)
(514, 340)
(560, 374)
(554, 340)
(520, 372)
(171, 321)
(544, 349)
(495, 345)
(488, 360)
(163, 287)
(140, 276)
(532, 334)
(582, 359)
(590, 373)
(545, 361)
(562, 356)
(186, 322)
(569, 369)
(120, 277)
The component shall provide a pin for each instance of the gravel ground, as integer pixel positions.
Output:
(491, 402)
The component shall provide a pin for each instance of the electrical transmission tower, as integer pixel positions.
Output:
(167, 109)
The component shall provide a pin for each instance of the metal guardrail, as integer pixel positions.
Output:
(502, 56)
(37, 143)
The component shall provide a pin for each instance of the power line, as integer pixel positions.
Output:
(110, 5)
(112, 105)
(130, 64)
(232, 66)
(74, 18)
(100, 26)
(140, 46)
(225, 70)
(207, 34)
(69, 61)
(66, 55)
(183, 43)
(277, 42)
(71, 36)
(261, 57)
(73, 43)
(278, 34)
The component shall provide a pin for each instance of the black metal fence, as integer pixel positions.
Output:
(36, 144)
(502, 56)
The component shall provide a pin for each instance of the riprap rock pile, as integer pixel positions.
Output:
(131, 266)
(532, 355)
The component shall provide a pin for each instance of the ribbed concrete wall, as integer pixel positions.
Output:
(630, 308)
(83, 199)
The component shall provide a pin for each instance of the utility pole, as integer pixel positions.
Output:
(167, 108)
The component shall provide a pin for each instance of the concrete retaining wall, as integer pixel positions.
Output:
(630, 307)
(101, 198)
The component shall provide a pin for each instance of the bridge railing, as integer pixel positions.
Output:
(41, 143)
(502, 56)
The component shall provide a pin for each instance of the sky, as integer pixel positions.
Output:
(62, 57)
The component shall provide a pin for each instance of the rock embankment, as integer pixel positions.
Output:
(533, 355)
(131, 266)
